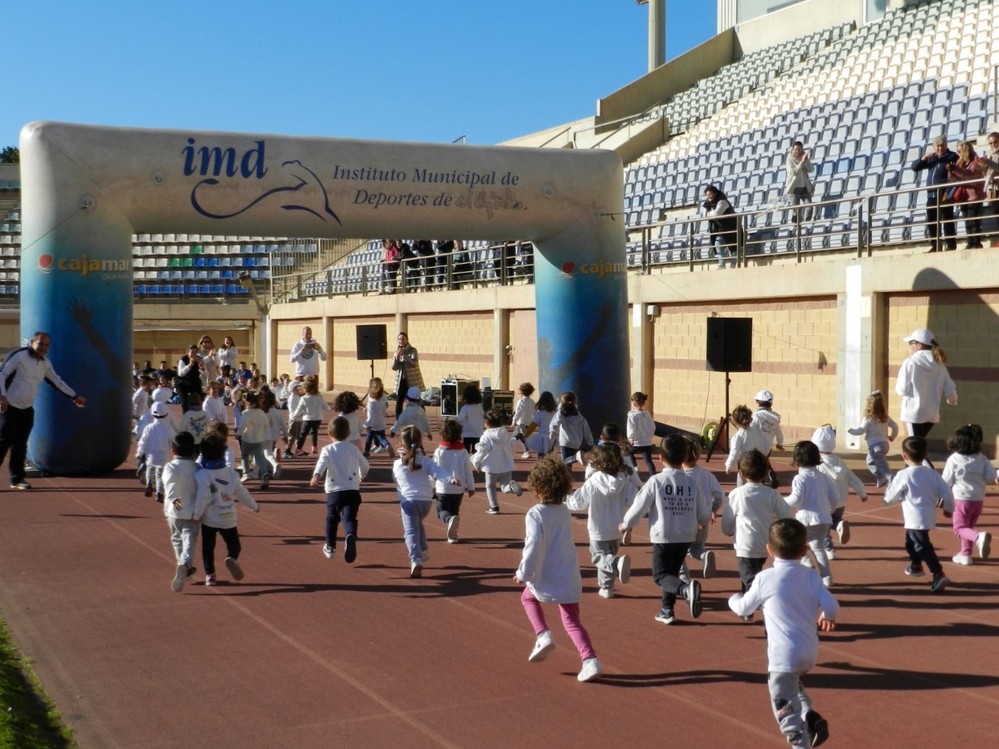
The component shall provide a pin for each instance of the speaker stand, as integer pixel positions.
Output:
(372, 369)
(722, 422)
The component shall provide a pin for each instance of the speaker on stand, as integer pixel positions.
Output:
(371, 344)
(730, 349)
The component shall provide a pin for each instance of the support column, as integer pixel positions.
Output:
(856, 374)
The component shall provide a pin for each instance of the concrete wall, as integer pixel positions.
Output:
(797, 20)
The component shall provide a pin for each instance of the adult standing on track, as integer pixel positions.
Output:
(306, 355)
(406, 364)
(22, 372)
(188, 382)
(923, 381)
(228, 354)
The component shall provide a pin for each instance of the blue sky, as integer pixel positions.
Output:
(408, 70)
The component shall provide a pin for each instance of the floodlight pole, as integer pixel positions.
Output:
(657, 32)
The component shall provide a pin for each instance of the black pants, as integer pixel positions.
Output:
(749, 568)
(17, 426)
(309, 427)
(666, 562)
(448, 505)
(946, 219)
(920, 550)
(342, 505)
(400, 396)
(232, 545)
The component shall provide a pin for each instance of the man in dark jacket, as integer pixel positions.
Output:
(938, 213)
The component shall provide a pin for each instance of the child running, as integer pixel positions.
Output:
(523, 415)
(921, 491)
(374, 420)
(494, 457)
(676, 510)
(348, 405)
(344, 467)
(187, 492)
(641, 430)
(536, 435)
(750, 511)
(413, 414)
(768, 421)
(748, 437)
(550, 568)
(471, 416)
(878, 430)
(153, 449)
(607, 493)
(452, 456)
(968, 473)
(812, 495)
(708, 485)
(414, 473)
(843, 479)
(309, 411)
(220, 515)
(793, 600)
(574, 436)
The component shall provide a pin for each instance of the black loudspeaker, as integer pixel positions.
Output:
(730, 344)
(451, 392)
(499, 400)
(371, 342)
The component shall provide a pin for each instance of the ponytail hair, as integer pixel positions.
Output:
(412, 445)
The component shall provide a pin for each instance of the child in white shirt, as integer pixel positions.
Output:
(154, 447)
(811, 497)
(494, 457)
(748, 515)
(878, 430)
(187, 490)
(641, 430)
(413, 414)
(843, 479)
(452, 456)
(549, 566)
(471, 416)
(768, 421)
(793, 600)
(708, 485)
(921, 491)
(537, 434)
(523, 415)
(747, 437)
(374, 417)
(607, 493)
(344, 467)
(968, 473)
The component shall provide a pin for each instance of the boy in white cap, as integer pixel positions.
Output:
(155, 446)
(412, 414)
(768, 421)
(833, 466)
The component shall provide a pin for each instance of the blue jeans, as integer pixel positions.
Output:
(722, 250)
(342, 505)
(415, 535)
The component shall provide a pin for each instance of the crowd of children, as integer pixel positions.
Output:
(681, 502)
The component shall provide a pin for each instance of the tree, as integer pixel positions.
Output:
(10, 155)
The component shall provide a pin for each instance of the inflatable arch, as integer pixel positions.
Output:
(86, 190)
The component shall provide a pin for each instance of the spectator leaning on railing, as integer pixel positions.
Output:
(939, 213)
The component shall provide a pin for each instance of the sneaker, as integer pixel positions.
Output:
(350, 554)
(590, 670)
(708, 562)
(665, 616)
(940, 582)
(329, 551)
(245, 477)
(377, 449)
(288, 455)
(580, 458)
(747, 618)
(831, 553)
(914, 570)
(772, 478)
(179, 578)
(149, 490)
(20, 486)
(513, 488)
(622, 566)
(542, 647)
(984, 544)
(605, 593)
(159, 497)
(818, 728)
(693, 596)
(234, 569)
(264, 483)
(843, 531)
(209, 580)
(452, 529)
(415, 569)
(827, 581)
(277, 472)
(962, 559)
(626, 538)
(191, 572)
(493, 510)
(806, 561)
(525, 455)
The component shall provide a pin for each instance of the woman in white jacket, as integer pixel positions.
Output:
(923, 381)
(798, 186)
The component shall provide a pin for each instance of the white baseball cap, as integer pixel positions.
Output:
(764, 396)
(825, 438)
(920, 335)
(160, 409)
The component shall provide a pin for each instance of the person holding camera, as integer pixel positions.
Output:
(188, 381)
(306, 355)
(798, 185)
(406, 363)
(723, 224)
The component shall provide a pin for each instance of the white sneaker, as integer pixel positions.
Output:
(694, 598)
(806, 561)
(984, 544)
(843, 530)
(579, 458)
(542, 647)
(276, 474)
(831, 553)
(179, 578)
(605, 593)
(590, 670)
(525, 455)
(708, 560)
(623, 567)
(329, 551)
(827, 581)
(626, 538)
(512, 488)
(209, 580)
(415, 569)
(452, 529)
(376, 449)
(962, 559)
(234, 569)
